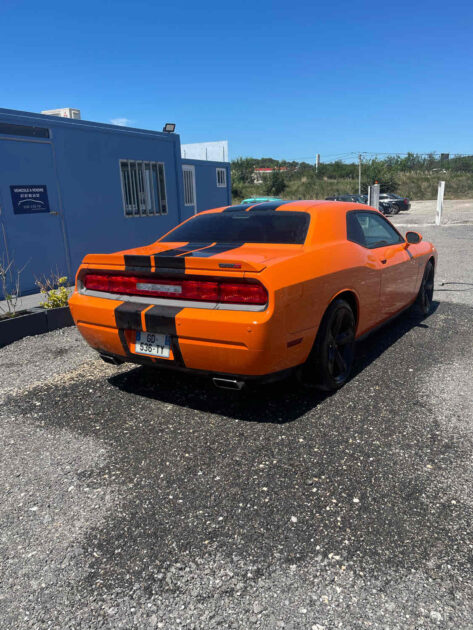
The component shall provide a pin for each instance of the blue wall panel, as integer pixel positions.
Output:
(208, 194)
(89, 173)
(81, 168)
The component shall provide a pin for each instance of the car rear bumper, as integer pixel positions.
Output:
(241, 343)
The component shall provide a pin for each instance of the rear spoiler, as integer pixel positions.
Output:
(163, 262)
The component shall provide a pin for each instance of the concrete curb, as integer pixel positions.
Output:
(35, 322)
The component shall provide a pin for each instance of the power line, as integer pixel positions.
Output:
(389, 153)
(433, 153)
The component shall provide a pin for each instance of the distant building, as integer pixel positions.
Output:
(217, 151)
(69, 187)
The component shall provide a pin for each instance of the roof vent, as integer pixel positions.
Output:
(63, 112)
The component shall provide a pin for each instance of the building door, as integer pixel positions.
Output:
(188, 175)
(33, 234)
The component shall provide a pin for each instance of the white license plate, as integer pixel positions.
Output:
(152, 344)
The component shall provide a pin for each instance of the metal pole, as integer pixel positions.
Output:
(373, 196)
(359, 173)
(440, 194)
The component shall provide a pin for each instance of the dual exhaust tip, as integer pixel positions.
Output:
(110, 359)
(227, 383)
(218, 381)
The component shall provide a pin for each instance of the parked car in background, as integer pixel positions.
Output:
(252, 200)
(354, 198)
(395, 201)
(244, 293)
(384, 207)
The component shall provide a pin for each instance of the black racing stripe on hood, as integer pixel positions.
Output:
(162, 320)
(135, 260)
(218, 248)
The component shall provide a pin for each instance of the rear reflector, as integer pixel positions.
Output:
(215, 290)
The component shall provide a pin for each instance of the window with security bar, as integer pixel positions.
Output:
(143, 188)
(189, 188)
(221, 177)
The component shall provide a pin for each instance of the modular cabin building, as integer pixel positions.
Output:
(71, 187)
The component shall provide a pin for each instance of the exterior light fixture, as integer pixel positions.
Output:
(169, 127)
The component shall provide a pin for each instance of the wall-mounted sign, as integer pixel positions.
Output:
(29, 199)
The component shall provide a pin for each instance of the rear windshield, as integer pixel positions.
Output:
(244, 227)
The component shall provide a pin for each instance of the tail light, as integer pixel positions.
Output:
(406, 201)
(215, 290)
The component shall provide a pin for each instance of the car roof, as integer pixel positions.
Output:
(261, 199)
(313, 206)
(328, 222)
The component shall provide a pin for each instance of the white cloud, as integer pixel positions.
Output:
(121, 122)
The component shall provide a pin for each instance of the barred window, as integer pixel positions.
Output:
(143, 188)
(188, 176)
(221, 177)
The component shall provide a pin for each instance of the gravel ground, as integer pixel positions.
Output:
(140, 499)
(455, 211)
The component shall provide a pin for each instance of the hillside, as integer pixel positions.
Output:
(414, 176)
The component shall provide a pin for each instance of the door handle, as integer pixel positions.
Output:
(55, 213)
(383, 261)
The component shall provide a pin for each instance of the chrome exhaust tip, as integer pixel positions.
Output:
(112, 360)
(227, 383)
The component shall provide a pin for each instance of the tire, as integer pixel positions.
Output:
(329, 364)
(426, 291)
(395, 209)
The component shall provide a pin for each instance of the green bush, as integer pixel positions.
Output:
(55, 291)
(275, 184)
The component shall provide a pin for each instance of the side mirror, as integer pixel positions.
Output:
(413, 237)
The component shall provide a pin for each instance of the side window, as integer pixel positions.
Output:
(371, 230)
(221, 177)
(188, 175)
(143, 188)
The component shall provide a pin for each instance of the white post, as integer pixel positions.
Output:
(373, 196)
(441, 190)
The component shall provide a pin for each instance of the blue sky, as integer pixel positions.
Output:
(281, 79)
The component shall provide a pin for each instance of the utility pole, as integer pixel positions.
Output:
(359, 173)
(317, 162)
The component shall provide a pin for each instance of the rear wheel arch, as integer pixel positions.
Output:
(329, 363)
(352, 299)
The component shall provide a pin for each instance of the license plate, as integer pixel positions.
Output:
(152, 344)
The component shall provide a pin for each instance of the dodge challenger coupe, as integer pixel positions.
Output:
(254, 291)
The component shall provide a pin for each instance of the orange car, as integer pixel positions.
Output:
(249, 292)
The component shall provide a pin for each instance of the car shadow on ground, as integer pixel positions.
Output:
(280, 402)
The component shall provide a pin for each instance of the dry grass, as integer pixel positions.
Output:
(415, 185)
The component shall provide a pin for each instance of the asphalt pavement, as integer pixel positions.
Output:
(134, 498)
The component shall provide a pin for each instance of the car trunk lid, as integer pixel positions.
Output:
(244, 257)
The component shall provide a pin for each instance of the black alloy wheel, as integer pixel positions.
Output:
(330, 361)
(426, 291)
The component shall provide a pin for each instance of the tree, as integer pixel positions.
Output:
(275, 184)
(243, 169)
